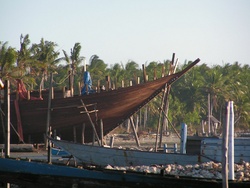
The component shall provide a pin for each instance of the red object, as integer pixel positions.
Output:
(22, 92)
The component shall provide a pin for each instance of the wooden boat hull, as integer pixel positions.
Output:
(114, 107)
(103, 156)
(34, 174)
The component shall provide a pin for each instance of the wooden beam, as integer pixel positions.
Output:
(135, 133)
(92, 124)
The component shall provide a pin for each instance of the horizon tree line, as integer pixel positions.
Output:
(188, 96)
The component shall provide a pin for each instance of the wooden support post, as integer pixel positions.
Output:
(64, 92)
(225, 148)
(165, 98)
(28, 95)
(144, 73)
(203, 128)
(108, 82)
(19, 122)
(159, 127)
(52, 93)
(138, 80)
(49, 111)
(128, 125)
(137, 123)
(122, 83)
(83, 131)
(140, 124)
(183, 138)
(155, 74)
(163, 71)
(49, 147)
(209, 111)
(7, 122)
(112, 139)
(79, 88)
(171, 124)
(98, 86)
(91, 122)
(231, 141)
(7, 118)
(135, 133)
(40, 92)
(101, 131)
(145, 116)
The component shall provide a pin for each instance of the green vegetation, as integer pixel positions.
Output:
(188, 96)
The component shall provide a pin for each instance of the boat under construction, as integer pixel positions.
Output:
(83, 114)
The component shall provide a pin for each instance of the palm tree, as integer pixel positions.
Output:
(239, 92)
(117, 74)
(8, 57)
(132, 70)
(73, 61)
(46, 59)
(24, 58)
(98, 69)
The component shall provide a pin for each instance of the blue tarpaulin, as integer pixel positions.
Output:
(87, 82)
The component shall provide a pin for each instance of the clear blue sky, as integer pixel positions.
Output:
(216, 31)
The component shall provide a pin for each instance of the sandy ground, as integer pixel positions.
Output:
(146, 141)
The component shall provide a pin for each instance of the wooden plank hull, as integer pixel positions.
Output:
(212, 147)
(103, 156)
(33, 174)
(114, 107)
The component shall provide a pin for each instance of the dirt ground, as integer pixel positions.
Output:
(146, 141)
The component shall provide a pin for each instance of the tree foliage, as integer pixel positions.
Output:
(188, 96)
